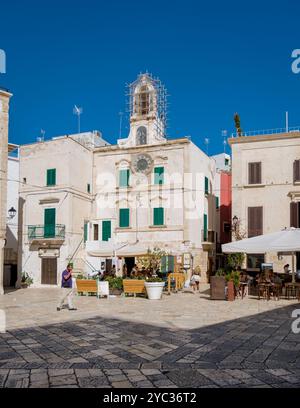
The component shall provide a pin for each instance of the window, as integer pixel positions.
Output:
(141, 136)
(159, 175)
(106, 230)
(49, 222)
(158, 216)
(226, 226)
(88, 188)
(167, 264)
(254, 173)
(217, 203)
(51, 177)
(124, 218)
(85, 231)
(205, 227)
(206, 187)
(255, 221)
(124, 178)
(296, 171)
(295, 214)
(96, 232)
(226, 162)
(24, 180)
(254, 261)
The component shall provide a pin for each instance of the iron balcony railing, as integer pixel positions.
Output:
(293, 129)
(46, 231)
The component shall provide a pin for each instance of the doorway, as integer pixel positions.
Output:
(129, 264)
(49, 271)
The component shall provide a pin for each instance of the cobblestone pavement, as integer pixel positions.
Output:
(256, 350)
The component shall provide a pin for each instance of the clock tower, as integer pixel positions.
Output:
(147, 107)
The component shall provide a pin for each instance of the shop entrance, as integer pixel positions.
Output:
(129, 264)
(49, 271)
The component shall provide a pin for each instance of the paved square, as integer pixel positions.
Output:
(184, 340)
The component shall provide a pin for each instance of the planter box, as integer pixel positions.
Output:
(86, 286)
(217, 288)
(154, 290)
(230, 291)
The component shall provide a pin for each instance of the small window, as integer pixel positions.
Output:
(159, 175)
(254, 173)
(158, 216)
(206, 186)
(96, 232)
(51, 177)
(205, 227)
(226, 162)
(296, 171)
(124, 218)
(226, 227)
(124, 178)
(24, 180)
(88, 187)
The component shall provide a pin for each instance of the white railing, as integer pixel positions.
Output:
(267, 131)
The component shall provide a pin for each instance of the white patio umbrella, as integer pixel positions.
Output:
(287, 240)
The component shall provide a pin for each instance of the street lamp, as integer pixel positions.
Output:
(12, 213)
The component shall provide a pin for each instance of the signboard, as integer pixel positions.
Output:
(186, 260)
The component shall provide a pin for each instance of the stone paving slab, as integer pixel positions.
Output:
(206, 343)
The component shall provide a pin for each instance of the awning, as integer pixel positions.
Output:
(109, 249)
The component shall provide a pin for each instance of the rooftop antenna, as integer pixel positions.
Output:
(224, 134)
(121, 122)
(206, 142)
(77, 111)
(41, 138)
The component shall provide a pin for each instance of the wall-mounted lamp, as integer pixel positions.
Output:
(12, 213)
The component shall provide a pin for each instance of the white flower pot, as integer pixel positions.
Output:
(154, 290)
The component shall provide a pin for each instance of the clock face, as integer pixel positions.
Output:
(142, 163)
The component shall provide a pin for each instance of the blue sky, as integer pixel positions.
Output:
(215, 58)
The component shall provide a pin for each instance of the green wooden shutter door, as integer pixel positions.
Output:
(158, 216)
(106, 230)
(159, 175)
(124, 178)
(205, 227)
(51, 177)
(124, 217)
(163, 264)
(85, 231)
(217, 202)
(206, 186)
(49, 222)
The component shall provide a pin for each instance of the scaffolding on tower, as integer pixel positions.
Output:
(155, 101)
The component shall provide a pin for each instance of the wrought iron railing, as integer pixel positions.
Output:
(46, 231)
(267, 131)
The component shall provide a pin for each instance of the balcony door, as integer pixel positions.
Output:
(49, 271)
(49, 223)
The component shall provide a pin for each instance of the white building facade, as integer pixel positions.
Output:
(109, 204)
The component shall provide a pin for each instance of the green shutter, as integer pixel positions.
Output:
(85, 232)
(51, 177)
(49, 222)
(217, 203)
(158, 216)
(124, 218)
(124, 178)
(206, 185)
(167, 264)
(159, 175)
(106, 230)
(205, 227)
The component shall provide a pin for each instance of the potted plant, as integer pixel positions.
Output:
(217, 285)
(233, 280)
(115, 285)
(26, 280)
(154, 288)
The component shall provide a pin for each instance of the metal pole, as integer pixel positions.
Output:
(287, 122)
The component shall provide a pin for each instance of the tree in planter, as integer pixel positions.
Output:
(152, 260)
(237, 123)
(236, 260)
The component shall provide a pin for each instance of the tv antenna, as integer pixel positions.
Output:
(77, 111)
(224, 134)
(41, 138)
(206, 142)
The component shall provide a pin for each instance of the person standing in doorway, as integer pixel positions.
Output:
(68, 290)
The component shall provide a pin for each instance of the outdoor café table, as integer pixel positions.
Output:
(292, 290)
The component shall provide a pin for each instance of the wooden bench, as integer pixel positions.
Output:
(87, 286)
(134, 286)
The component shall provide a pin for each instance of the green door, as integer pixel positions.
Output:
(106, 230)
(49, 223)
